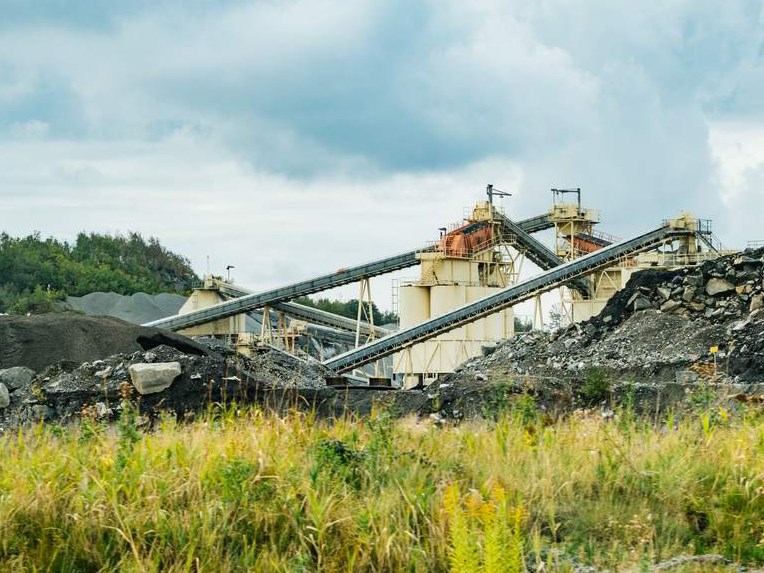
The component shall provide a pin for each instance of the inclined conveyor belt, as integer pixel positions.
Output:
(536, 224)
(510, 296)
(593, 239)
(290, 292)
(304, 288)
(309, 314)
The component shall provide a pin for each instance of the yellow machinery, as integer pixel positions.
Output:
(232, 328)
(467, 263)
(575, 236)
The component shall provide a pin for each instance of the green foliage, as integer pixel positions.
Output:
(338, 461)
(348, 308)
(496, 402)
(35, 273)
(243, 490)
(127, 428)
(238, 482)
(596, 387)
(523, 324)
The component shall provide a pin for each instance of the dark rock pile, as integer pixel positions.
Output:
(96, 389)
(720, 290)
(60, 366)
(654, 336)
(41, 340)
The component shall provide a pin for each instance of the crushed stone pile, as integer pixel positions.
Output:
(41, 340)
(95, 389)
(718, 291)
(138, 308)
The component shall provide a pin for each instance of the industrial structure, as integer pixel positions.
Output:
(466, 264)
(575, 236)
(469, 281)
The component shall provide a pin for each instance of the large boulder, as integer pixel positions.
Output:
(670, 305)
(154, 377)
(716, 286)
(5, 397)
(16, 377)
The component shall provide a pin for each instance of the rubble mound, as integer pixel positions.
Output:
(62, 366)
(655, 336)
(66, 390)
(718, 291)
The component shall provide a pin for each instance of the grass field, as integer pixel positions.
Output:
(242, 490)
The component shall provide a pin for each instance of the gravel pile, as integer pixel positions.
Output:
(138, 308)
(661, 322)
(41, 340)
(719, 291)
(651, 342)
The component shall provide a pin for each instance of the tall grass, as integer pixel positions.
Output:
(245, 490)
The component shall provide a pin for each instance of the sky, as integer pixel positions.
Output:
(291, 138)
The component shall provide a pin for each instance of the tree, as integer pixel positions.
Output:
(523, 324)
(556, 317)
(348, 309)
(36, 272)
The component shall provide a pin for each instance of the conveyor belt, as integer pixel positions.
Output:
(595, 240)
(510, 296)
(304, 288)
(308, 313)
(318, 331)
(536, 224)
(289, 292)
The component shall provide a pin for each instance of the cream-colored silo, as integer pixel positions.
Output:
(413, 305)
(465, 267)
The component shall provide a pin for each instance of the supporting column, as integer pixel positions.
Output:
(538, 314)
(287, 341)
(266, 332)
(365, 312)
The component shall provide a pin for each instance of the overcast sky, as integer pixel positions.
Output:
(290, 138)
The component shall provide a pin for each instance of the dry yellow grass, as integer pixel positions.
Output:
(249, 491)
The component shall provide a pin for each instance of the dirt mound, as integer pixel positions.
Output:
(41, 340)
(81, 367)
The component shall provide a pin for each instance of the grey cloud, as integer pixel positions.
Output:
(90, 14)
(615, 97)
(741, 221)
(384, 85)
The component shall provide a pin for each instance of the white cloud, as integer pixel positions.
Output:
(295, 137)
(738, 149)
(201, 203)
(33, 128)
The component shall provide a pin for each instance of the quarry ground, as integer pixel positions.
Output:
(649, 348)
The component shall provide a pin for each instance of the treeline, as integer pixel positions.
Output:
(36, 272)
(348, 308)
